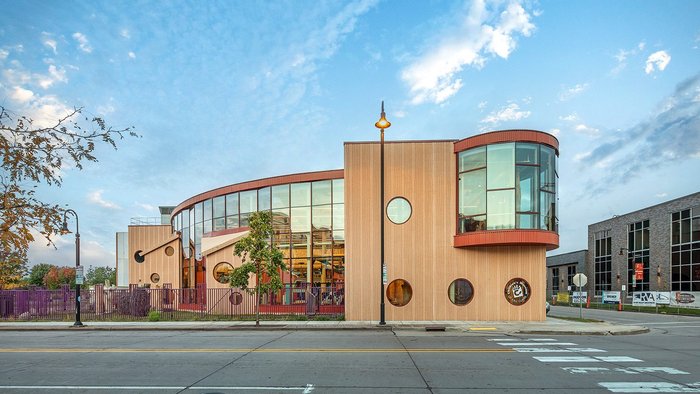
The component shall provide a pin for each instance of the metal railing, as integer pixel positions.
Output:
(140, 304)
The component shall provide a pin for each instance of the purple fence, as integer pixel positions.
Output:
(136, 303)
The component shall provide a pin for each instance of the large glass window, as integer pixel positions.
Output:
(602, 276)
(264, 199)
(301, 194)
(280, 196)
(638, 252)
(506, 186)
(685, 250)
(321, 192)
(501, 209)
(500, 161)
(249, 201)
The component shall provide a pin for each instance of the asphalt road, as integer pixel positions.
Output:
(665, 360)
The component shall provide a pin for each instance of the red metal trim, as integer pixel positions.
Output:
(494, 137)
(507, 237)
(259, 183)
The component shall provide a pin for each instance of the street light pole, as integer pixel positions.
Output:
(381, 124)
(64, 230)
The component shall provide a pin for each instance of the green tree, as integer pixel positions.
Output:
(32, 154)
(13, 266)
(37, 274)
(58, 276)
(258, 255)
(98, 275)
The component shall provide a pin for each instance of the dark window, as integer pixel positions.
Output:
(602, 277)
(222, 271)
(638, 252)
(460, 292)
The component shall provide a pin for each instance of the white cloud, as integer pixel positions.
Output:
(400, 114)
(622, 56)
(147, 207)
(21, 95)
(661, 195)
(96, 198)
(508, 113)
(82, 42)
(125, 33)
(584, 129)
(48, 41)
(132, 55)
(55, 75)
(482, 106)
(4, 53)
(573, 91)
(555, 132)
(572, 117)
(657, 61)
(91, 252)
(433, 76)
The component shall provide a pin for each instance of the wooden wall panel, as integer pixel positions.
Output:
(421, 250)
(167, 267)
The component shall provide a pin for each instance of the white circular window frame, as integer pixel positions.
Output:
(410, 209)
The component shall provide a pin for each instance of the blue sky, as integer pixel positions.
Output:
(224, 92)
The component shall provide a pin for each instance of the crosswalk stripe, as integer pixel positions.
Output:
(537, 344)
(648, 387)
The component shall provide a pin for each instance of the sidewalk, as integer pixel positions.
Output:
(552, 326)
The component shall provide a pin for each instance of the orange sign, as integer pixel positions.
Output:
(639, 271)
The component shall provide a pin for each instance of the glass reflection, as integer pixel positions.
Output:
(500, 161)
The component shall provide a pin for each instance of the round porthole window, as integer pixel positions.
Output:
(399, 292)
(169, 251)
(236, 298)
(155, 278)
(461, 291)
(398, 210)
(517, 291)
(222, 271)
(138, 257)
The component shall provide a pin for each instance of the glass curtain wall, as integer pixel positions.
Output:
(685, 250)
(308, 227)
(507, 186)
(638, 252)
(602, 262)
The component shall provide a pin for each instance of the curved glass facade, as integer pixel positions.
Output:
(510, 185)
(308, 221)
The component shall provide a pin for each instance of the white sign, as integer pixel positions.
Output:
(79, 275)
(685, 298)
(568, 288)
(385, 277)
(611, 297)
(624, 287)
(663, 298)
(579, 297)
(644, 298)
(580, 280)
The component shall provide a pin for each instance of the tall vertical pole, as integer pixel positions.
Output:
(381, 203)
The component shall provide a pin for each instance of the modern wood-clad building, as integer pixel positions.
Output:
(466, 227)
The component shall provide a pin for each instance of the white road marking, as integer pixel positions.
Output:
(584, 370)
(670, 371)
(648, 387)
(502, 339)
(540, 350)
(543, 339)
(619, 359)
(628, 371)
(586, 350)
(537, 344)
(575, 359)
(584, 359)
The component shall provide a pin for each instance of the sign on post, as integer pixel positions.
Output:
(79, 275)
(611, 297)
(385, 277)
(580, 280)
(579, 297)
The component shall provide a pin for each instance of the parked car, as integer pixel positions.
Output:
(546, 305)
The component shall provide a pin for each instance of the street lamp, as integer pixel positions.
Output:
(64, 230)
(382, 124)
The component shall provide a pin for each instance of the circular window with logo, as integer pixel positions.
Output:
(461, 291)
(398, 210)
(399, 292)
(155, 278)
(517, 291)
(236, 298)
(169, 251)
(222, 271)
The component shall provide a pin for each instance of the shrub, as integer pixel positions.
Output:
(153, 316)
(135, 302)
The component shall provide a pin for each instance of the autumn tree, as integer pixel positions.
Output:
(33, 154)
(258, 255)
(58, 276)
(12, 268)
(37, 274)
